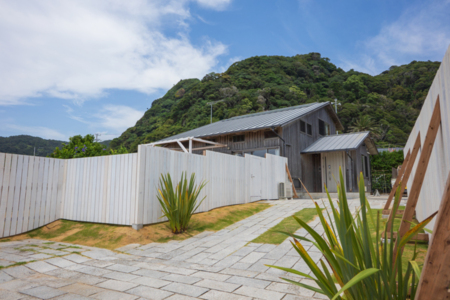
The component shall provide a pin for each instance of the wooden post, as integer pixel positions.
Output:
(420, 172)
(405, 179)
(397, 181)
(435, 278)
(290, 179)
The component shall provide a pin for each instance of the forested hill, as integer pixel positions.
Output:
(387, 104)
(24, 144)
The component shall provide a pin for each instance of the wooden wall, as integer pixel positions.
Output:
(439, 164)
(229, 178)
(121, 189)
(31, 190)
(302, 166)
(101, 189)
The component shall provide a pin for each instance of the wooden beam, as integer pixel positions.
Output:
(404, 182)
(420, 172)
(290, 179)
(435, 278)
(398, 180)
(182, 147)
(419, 237)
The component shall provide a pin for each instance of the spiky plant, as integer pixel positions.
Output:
(362, 267)
(179, 204)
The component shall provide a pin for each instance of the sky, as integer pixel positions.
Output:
(71, 67)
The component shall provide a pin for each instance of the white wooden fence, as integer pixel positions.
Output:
(121, 189)
(439, 164)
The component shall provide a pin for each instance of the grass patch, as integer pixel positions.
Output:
(409, 248)
(288, 224)
(114, 236)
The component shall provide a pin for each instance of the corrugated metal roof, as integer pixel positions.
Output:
(267, 119)
(341, 142)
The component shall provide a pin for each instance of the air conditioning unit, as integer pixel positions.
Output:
(281, 191)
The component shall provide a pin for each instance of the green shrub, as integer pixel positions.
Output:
(179, 204)
(363, 268)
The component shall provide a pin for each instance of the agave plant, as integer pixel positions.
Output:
(355, 266)
(179, 204)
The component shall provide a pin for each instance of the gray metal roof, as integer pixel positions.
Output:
(267, 119)
(342, 142)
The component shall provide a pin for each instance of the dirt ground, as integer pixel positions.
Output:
(114, 236)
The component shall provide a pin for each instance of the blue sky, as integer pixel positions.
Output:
(78, 67)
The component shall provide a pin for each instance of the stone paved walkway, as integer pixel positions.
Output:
(211, 265)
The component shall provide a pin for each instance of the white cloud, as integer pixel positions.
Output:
(43, 132)
(117, 118)
(80, 49)
(420, 33)
(214, 4)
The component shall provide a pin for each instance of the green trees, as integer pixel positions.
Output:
(79, 146)
(392, 99)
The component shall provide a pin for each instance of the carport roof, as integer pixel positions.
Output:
(342, 142)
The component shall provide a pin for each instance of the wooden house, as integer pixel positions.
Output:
(305, 134)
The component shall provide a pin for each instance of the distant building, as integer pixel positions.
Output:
(389, 149)
(305, 134)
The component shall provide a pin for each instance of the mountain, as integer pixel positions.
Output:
(24, 144)
(388, 103)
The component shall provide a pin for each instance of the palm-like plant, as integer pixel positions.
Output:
(364, 268)
(179, 204)
(364, 123)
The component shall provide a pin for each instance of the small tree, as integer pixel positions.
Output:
(79, 146)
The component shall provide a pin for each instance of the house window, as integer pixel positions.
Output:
(302, 126)
(324, 128)
(238, 138)
(365, 165)
(270, 134)
(259, 152)
(309, 129)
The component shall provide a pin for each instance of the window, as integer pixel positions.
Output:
(365, 165)
(270, 134)
(238, 138)
(309, 129)
(302, 126)
(259, 152)
(324, 128)
(275, 151)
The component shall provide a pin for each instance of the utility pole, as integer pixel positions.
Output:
(96, 137)
(212, 103)
(336, 103)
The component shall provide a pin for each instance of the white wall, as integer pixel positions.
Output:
(439, 165)
(122, 189)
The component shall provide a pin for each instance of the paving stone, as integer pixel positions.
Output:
(9, 295)
(89, 279)
(259, 293)
(71, 297)
(181, 278)
(99, 254)
(52, 252)
(43, 292)
(252, 257)
(217, 295)
(60, 262)
(40, 256)
(19, 272)
(212, 276)
(98, 263)
(5, 277)
(50, 281)
(244, 273)
(128, 247)
(180, 297)
(265, 248)
(117, 285)
(289, 289)
(292, 297)
(218, 285)
(122, 268)
(181, 271)
(76, 258)
(93, 271)
(249, 281)
(81, 289)
(151, 282)
(260, 265)
(121, 276)
(17, 285)
(62, 273)
(112, 295)
(150, 273)
(185, 289)
(149, 293)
